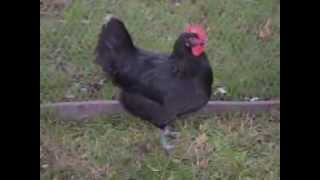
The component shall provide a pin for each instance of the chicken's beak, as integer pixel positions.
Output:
(205, 42)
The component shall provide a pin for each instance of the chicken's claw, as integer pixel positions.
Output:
(164, 135)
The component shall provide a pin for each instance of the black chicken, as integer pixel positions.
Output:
(156, 87)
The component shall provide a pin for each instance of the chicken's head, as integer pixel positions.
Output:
(197, 43)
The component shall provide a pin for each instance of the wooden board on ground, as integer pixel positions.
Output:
(90, 109)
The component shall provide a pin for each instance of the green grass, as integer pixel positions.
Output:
(122, 147)
(244, 64)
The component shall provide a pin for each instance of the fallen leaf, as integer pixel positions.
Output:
(204, 163)
(44, 166)
(176, 160)
(69, 96)
(83, 89)
(202, 128)
(152, 168)
(201, 139)
(85, 21)
(265, 31)
(254, 99)
(220, 90)
(101, 82)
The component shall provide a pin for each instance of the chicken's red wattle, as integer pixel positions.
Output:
(202, 34)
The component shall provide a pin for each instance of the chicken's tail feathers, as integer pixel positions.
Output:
(114, 41)
(114, 34)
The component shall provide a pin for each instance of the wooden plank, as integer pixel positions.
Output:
(82, 110)
(89, 109)
(242, 106)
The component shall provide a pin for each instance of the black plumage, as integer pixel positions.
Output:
(156, 87)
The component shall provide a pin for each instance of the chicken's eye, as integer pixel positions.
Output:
(190, 41)
(194, 41)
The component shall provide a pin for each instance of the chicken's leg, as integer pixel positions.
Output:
(115, 93)
(165, 133)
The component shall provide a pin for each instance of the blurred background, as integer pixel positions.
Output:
(243, 49)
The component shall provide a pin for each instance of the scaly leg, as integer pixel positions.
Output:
(164, 135)
(115, 93)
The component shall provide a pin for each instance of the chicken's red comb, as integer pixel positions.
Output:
(198, 29)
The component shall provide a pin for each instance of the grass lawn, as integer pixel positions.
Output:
(122, 147)
(244, 64)
(244, 51)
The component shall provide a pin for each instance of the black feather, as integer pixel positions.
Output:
(156, 87)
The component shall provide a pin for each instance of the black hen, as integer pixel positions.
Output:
(156, 87)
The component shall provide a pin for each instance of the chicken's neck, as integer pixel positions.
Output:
(184, 67)
(184, 63)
